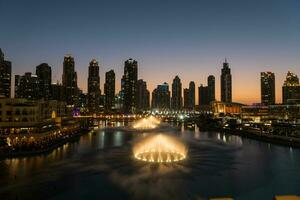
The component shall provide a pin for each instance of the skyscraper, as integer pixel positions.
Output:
(93, 87)
(176, 100)
(57, 92)
(69, 80)
(43, 72)
(109, 90)
(211, 88)
(161, 97)
(267, 85)
(186, 98)
(291, 89)
(226, 83)
(191, 104)
(203, 92)
(5, 76)
(143, 96)
(27, 86)
(130, 78)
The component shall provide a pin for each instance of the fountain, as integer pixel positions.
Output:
(160, 149)
(146, 123)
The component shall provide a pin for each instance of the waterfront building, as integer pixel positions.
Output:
(191, 96)
(110, 90)
(176, 99)
(93, 87)
(291, 89)
(143, 96)
(161, 97)
(226, 83)
(223, 108)
(69, 81)
(27, 86)
(5, 76)
(203, 92)
(269, 113)
(267, 85)
(129, 80)
(43, 72)
(211, 84)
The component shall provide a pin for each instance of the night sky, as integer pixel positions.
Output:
(167, 38)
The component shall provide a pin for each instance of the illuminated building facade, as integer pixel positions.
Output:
(93, 87)
(176, 100)
(27, 86)
(161, 97)
(143, 96)
(267, 85)
(43, 72)
(291, 89)
(109, 90)
(226, 83)
(5, 76)
(69, 81)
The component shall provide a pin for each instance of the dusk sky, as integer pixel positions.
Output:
(167, 38)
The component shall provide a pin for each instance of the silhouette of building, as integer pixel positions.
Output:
(93, 95)
(176, 100)
(109, 90)
(161, 97)
(226, 83)
(203, 92)
(57, 92)
(5, 76)
(267, 86)
(291, 89)
(191, 100)
(211, 88)
(186, 98)
(43, 72)
(143, 96)
(27, 86)
(69, 81)
(129, 79)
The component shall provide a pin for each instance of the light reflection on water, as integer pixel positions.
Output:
(217, 165)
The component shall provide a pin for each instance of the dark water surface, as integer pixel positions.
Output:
(101, 166)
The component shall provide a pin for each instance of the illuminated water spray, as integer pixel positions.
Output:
(160, 148)
(147, 123)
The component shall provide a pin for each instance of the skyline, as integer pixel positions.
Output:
(255, 36)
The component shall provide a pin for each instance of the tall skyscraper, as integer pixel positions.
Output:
(43, 72)
(267, 85)
(143, 96)
(176, 100)
(191, 104)
(109, 90)
(211, 88)
(27, 86)
(57, 92)
(226, 83)
(130, 78)
(69, 80)
(186, 98)
(291, 89)
(203, 92)
(93, 87)
(5, 76)
(161, 97)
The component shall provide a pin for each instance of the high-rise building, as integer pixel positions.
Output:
(211, 88)
(109, 90)
(69, 80)
(93, 87)
(191, 104)
(143, 96)
(5, 76)
(176, 100)
(186, 98)
(203, 92)
(43, 72)
(267, 86)
(161, 97)
(57, 92)
(130, 78)
(27, 86)
(291, 89)
(226, 83)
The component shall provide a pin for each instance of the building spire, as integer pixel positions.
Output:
(225, 60)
